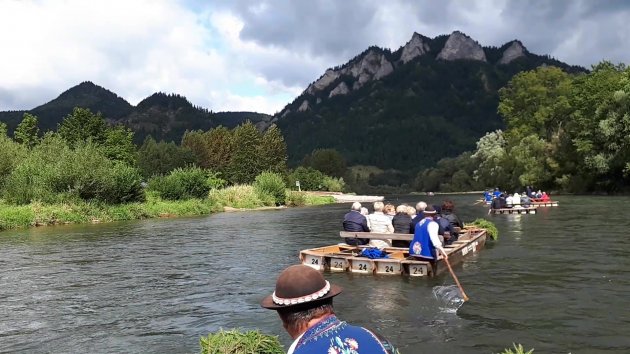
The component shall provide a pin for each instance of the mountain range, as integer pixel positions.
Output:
(400, 110)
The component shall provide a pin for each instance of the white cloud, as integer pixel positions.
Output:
(133, 48)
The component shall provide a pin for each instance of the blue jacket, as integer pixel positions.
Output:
(421, 244)
(331, 335)
(355, 222)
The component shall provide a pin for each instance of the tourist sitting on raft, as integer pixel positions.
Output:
(354, 221)
(526, 201)
(402, 224)
(499, 203)
(389, 210)
(487, 196)
(426, 241)
(380, 223)
(419, 216)
(445, 231)
(447, 213)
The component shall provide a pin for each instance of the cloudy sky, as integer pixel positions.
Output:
(258, 55)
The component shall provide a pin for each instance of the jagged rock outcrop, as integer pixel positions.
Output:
(460, 46)
(323, 82)
(372, 66)
(341, 89)
(514, 51)
(414, 48)
(305, 106)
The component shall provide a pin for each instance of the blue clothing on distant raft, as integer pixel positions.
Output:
(331, 335)
(487, 196)
(421, 244)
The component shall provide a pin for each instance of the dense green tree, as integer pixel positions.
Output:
(536, 102)
(492, 158)
(82, 125)
(601, 125)
(11, 153)
(27, 132)
(246, 160)
(213, 148)
(328, 161)
(3, 129)
(118, 145)
(273, 151)
(310, 179)
(161, 158)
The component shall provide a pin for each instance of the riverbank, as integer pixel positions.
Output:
(80, 212)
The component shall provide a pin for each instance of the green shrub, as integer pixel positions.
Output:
(271, 184)
(181, 183)
(310, 179)
(215, 181)
(492, 230)
(295, 198)
(239, 342)
(54, 173)
(11, 153)
(238, 196)
(518, 349)
(333, 184)
(123, 185)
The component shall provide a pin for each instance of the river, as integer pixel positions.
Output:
(557, 281)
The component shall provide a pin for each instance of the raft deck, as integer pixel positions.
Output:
(517, 210)
(345, 258)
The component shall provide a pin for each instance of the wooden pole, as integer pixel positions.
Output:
(456, 280)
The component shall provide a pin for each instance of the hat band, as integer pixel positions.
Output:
(300, 300)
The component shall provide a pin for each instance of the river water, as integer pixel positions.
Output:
(557, 281)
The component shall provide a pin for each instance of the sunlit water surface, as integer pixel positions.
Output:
(557, 281)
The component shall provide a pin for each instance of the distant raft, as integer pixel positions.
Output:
(516, 210)
(549, 203)
(346, 258)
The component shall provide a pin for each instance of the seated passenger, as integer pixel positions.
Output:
(516, 200)
(355, 222)
(545, 197)
(447, 213)
(380, 223)
(444, 232)
(402, 224)
(497, 203)
(389, 210)
(419, 215)
(525, 201)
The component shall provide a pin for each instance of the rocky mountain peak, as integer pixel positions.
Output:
(372, 65)
(460, 46)
(416, 47)
(514, 51)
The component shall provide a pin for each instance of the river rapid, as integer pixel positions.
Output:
(557, 281)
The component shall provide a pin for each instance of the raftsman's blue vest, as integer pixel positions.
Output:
(421, 244)
(333, 336)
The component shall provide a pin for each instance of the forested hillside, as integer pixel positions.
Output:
(405, 110)
(163, 116)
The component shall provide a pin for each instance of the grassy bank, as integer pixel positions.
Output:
(39, 214)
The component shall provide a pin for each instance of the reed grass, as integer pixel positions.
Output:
(518, 349)
(239, 342)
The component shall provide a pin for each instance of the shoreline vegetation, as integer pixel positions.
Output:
(80, 212)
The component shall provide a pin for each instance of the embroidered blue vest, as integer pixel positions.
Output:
(421, 244)
(333, 336)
